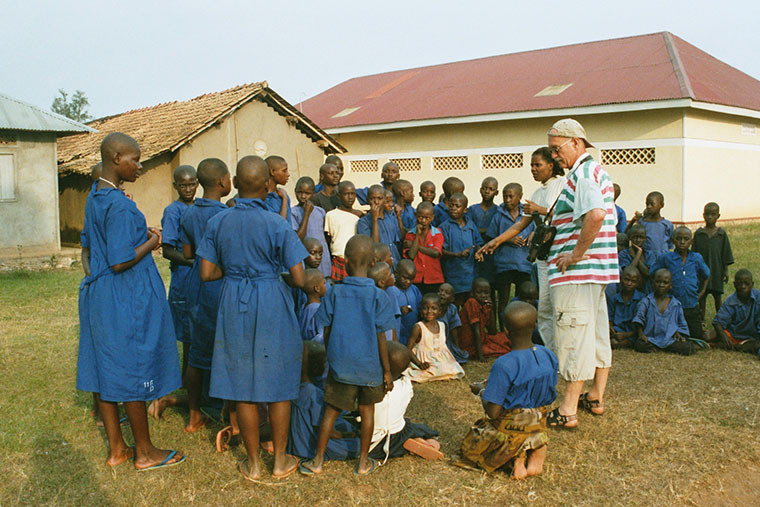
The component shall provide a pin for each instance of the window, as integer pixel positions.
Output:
(450, 163)
(7, 178)
(502, 161)
(7, 138)
(407, 164)
(630, 156)
(363, 166)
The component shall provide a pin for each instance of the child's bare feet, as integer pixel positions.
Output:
(196, 422)
(157, 407)
(311, 467)
(119, 456)
(250, 472)
(158, 458)
(519, 471)
(290, 464)
(536, 461)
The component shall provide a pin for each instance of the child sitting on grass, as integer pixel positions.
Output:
(478, 335)
(518, 392)
(407, 296)
(659, 320)
(621, 308)
(711, 242)
(450, 317)
(395, 435)
(737, 323)
(431, 358)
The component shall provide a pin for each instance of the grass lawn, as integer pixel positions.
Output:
(677, 430)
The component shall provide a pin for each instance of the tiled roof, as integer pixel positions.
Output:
(18, 115)
(166, 127)
(644, 68)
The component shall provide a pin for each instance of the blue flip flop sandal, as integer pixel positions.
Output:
(165, 463)
(372, 468)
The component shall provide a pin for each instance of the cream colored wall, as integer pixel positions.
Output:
(658, 128)
(31, 219)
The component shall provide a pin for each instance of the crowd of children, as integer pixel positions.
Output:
(315, 320)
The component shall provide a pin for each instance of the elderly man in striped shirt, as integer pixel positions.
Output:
(582, 261)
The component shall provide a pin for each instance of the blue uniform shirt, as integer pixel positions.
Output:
(410, 297)
(409, 216)
(621, 313)
(387, 228)
(622, 219)
(274, 202)
(440, 214)
(314, 229)
(509, 256)
(660, 328)
(523, 379)
(659, 236)
(307, 321)
(740, 319)
(356, 311)
(686, 275)
(482, 218)
(460, 271)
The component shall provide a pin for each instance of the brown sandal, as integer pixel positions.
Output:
(557, 420)
(593, 407)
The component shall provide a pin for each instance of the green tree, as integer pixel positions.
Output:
(74, 107)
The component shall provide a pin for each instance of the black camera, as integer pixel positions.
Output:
(542, 239)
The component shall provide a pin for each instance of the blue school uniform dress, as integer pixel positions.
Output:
(622, 219)
(274, 203)
(740, 319)
(314, 229)
(686, 276)
(408, 216)
(482, 219)
(257, 350)
(202, 297)
(170, 235)
(440, 214)
(307, 322)
(460, 271)
(411, 297)
(305, 419)
(659, 236)
(621, 314)
(509, 257)
(387, 229)
(452, 321)
(523, 379)
(127, 344)
(356, 311)
(660, 328)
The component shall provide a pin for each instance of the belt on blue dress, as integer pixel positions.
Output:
(246, 289)
(92, 278)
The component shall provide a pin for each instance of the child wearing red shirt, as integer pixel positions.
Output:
(423, 244)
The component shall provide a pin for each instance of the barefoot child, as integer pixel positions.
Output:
(460, 241)
(340, 226)
(309, 220)
(423, 244)
(450, 317)
(126, 354)
(185, 183)
(355, 316)
(202, 297)
(621, 308)
(478, 335)
(737, 323)
(257, 349)
(518, 392)
(711, 242)
(378, 224)
(659, 229)
(407, 296)
(431, 358)
(277, 199)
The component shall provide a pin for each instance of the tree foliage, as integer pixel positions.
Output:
(74, 107)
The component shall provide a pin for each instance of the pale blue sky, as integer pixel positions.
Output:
(129, 56)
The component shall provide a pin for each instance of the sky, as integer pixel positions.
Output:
(141, 53)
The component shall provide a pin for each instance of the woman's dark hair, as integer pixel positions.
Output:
(545, 153)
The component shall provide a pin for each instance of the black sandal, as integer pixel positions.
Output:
(590, 405)
(557, 420)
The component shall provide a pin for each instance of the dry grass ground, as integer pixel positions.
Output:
(677, 430)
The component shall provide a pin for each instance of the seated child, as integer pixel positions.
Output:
(277, 199)
(622, 220)
(451, 185)
(355, 316)
(379, 225)
(711, 242)
(460, 241)
(408, 298)
(309, 220)
(527, 292)
(737, 323)
(659, 320)
(690, 275)
(482, 213)
(423, 244)
(427, 192)
(431, 358)
(395, 435)
(659, 229)
(382, 275)
(306, 413)
(315, 288)
(518, 392)
(450, 317)
(621, 308)
(404, 193)
(478, 335)
(383, 254)
(340, 226)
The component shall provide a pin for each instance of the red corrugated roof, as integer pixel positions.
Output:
(632, 69)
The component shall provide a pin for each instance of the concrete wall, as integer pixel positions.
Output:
(31, 219)
(659, 129)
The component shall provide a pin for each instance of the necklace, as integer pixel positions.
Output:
(109, 182)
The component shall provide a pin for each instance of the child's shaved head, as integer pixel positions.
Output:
(527, 291)
(305, 182)
(406, 268)
(401, 185)
(359, 252)
(515, 187)
(489, 180)
(275, 161)
(426, 206)
(712, 206)
(379, 272)
(251, 175)
(427, 184)
(346, 185)
(312, 280)
(452, 185)
(399, 358)
(310, 242)
(682, 229)
(210, 171)
(184, 171)
(459, 196)
(656, 196)
(376, 190)
(325, 168)
(479, 283)
(382, 252)
(743, 273)
(335, 161)
(520, 321)
(114, 143)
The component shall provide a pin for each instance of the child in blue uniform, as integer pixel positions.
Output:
(482, 213)
(257, 348)
(382, 274)
(127, 347)
(383, 254)
(380, 225)
(637, 255)
(737, 323)
(403, 191)
(516, 397)
(659, 320)
(309, 220)
(659, 229)
(622, 219)
(711, 242)
(510, 259)
(461, 240)
(277, 200)
(450, 317)
(690, 275)
(451, 186)
(407, 296)
(621, 308)
(315, 288)
(202, 297)
(185, 183)
(389, 174)
(355, 315)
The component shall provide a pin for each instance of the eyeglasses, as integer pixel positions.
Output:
(555, 149)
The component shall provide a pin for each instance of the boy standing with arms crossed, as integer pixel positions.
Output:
(355, 316)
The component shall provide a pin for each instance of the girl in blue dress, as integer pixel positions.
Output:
(127, 348)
